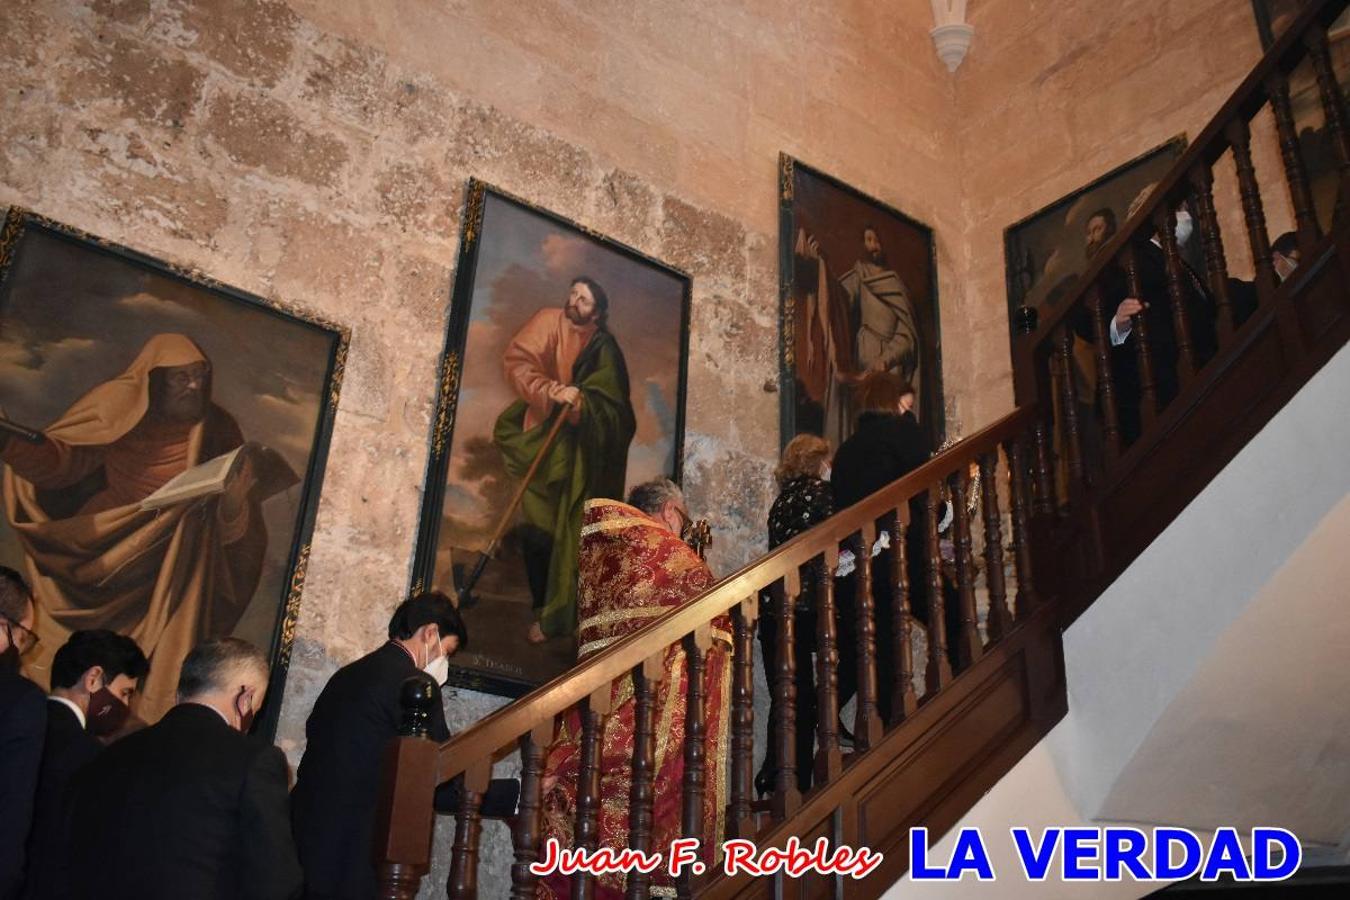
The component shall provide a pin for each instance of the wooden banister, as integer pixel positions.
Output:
(504, 727)
(1211, 144)
(1074, 511)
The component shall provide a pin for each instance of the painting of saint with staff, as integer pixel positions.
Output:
(563, 383)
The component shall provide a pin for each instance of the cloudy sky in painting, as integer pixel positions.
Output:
(73, 317)
(526, 262)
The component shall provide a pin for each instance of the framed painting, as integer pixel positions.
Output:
(1046, 252)
(162, 446)
(858, 285)
(1315, 142)
(563, 380)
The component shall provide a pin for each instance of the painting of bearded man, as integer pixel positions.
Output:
(147, 505)
(562, 382)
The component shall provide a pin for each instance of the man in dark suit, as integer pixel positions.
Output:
(191, 806)
(93, 678)
(23, 723)
(356, 715)
(1154, 305)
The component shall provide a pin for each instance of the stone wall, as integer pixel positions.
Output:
(316, 152)
(1052, 96)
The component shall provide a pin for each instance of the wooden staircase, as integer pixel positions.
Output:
(1051, 524)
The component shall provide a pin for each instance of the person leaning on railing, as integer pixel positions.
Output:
(804, 500)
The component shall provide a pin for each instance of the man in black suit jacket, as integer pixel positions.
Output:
(191, 806)
(23, 723)
(358, 712)
(1154, 305)
(93, 678)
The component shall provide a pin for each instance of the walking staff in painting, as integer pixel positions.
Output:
(564, 362)
(99, 555)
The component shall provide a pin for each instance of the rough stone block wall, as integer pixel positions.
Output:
(316, 152)
(1052, 96)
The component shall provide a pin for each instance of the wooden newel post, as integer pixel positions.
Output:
(405, 811)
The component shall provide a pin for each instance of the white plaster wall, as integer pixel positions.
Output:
(1136, 651)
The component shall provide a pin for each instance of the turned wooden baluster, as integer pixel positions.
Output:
(866, 721)
(828, 757)
(1106, 382)
(641, 795)
(528, 829)
(463, 883)
(904, 701)
(939, 670)
(1166, 222)
(1000, 620)
(1295, 174)
(404, 814)
(1068, 397)
(970, 647)
(1026, 588)
(1240, 137)
(1148, 389)
(1333, 102)
(786, 795)
(740, 816)
(1216, 263)
(696, 647)
(588, 786)
(1043, 483)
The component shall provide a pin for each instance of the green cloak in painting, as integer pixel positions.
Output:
(588, 459)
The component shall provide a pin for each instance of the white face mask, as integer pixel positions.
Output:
(1185, 227)
(438, 668)
(826, 473)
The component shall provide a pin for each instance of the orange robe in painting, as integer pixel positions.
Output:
(167, 578)
(633, 570)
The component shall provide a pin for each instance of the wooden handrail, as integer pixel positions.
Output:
(993, 688)
(1246, 101)
(502, 728)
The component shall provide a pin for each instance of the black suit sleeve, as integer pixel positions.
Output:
(22, 732)
(271, 868)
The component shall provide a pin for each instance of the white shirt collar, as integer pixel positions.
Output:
(74, 707)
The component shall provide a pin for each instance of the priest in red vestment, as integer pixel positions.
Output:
(633, 568)
(166, 577)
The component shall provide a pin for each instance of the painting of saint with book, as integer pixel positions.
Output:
(153, 436)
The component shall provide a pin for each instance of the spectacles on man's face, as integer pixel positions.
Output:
(20, 635)
(685, 522)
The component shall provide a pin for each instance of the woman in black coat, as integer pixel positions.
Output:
(887, 444)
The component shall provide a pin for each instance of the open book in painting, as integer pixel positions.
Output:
(272, 472)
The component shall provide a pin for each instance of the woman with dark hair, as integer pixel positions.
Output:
(804, 499)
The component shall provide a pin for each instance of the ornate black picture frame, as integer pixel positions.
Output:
(1044, 252)
(127, 369)
(519, 265)
(822, 241)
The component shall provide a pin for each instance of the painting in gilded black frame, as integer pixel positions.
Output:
(858, 286)
(565, 348)
(162, 451)
(1045, 252)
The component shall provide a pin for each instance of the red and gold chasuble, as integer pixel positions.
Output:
(632, 570)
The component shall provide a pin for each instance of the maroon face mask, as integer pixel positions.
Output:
(107, 712)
